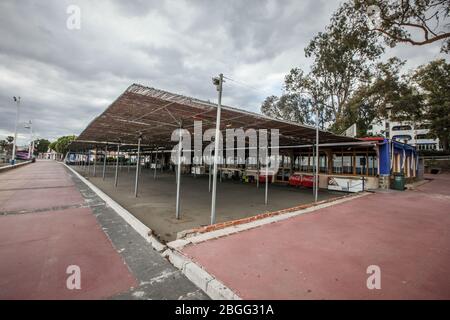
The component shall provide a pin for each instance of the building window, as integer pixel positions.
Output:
(398, 128)
(402, 137)
(372, 166)
(347, 165)
(337, 163)
(424, 136)
(426, 146)
(323, 164)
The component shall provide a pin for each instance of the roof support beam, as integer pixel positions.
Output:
(138, 165)
(116, 176)
(104, 162)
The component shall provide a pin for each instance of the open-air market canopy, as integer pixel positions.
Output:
(153, 114)
(144, 119)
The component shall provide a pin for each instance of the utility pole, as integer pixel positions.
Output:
(316, 178)
(218, 83)
(178, 175)
(138, 165)
(13, 159)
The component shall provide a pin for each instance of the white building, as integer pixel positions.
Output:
(50, 155)
(415, 134)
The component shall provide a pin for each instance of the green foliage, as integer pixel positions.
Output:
(343, 57)
(434, 80)
(6, 144)
(52, 146)
(3, 145)
(291, 107)
(41, 145)
(308, 89)
(61, 145)
(387, 94)
(348, 84)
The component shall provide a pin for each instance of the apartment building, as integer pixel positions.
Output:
(415, 134)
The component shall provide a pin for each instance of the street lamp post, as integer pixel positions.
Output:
(29, 125)
(316, 176)
(218, 82)
(13, 159)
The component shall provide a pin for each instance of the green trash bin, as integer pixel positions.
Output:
(399, 181)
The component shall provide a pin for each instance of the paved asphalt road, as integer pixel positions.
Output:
(49, 220)
(325, 254)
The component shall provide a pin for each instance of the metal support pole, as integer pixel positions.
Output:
(104, 162)
(89, 162)
(267, 176)
(209, 174)
(316, 190)
(31, 146)
(313, 164)
(177, 204)
(156, 163)
(116, 176)
(138, 164)
(257, 167)
(95, 162)
(216, 150)
(13, 159)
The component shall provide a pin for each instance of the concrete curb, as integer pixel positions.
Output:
(215, 289)
(207, 282)
(137, 225)
(195, 273)
(179, 244)
(222, 225)
(10, 167)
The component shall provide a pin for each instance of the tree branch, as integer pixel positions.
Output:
(414, 42)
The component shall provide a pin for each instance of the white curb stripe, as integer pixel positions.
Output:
(195, 273)
(215, 289)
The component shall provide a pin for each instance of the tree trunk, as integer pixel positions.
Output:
(444, 141)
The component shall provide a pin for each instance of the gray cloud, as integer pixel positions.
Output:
(67, 77)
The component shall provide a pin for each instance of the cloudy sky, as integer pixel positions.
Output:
(67, 77)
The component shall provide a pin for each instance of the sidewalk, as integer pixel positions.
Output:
(50, 220)
(325, 254)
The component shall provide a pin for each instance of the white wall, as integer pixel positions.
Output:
(379, 127)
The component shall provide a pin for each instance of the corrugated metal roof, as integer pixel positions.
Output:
(153, 114)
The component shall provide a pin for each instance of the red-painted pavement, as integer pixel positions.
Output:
(37, 246)
(325, 254)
